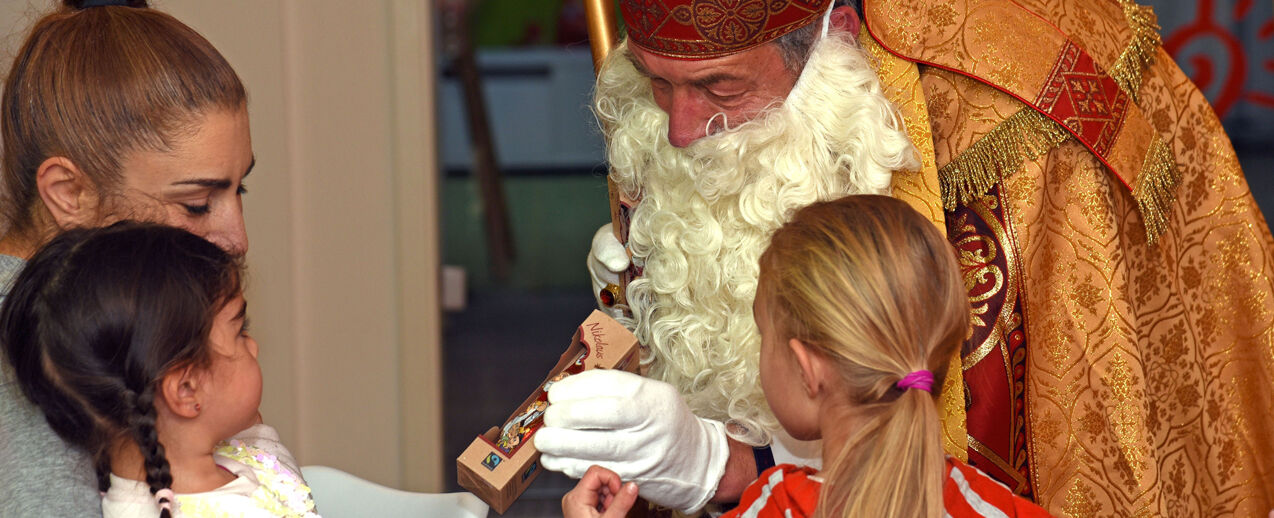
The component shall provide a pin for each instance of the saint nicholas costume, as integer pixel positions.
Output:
(1119, 271)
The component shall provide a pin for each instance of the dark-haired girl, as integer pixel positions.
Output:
(132, 340)
(110, 110)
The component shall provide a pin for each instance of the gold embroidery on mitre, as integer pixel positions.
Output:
(1025, 135)
(1156, 188)
(1140, 52)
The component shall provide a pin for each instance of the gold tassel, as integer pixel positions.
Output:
(1157, 181)
(1156, 188)
(1025, 135)
(1140, 52)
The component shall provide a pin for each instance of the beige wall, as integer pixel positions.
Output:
(342, 220)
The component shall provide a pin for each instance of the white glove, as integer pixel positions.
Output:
(638, 428)
(606, 260)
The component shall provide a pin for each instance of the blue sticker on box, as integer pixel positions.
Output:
(529, 471)
(491, 461)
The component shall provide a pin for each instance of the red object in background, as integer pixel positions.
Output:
(572, 25)
(1232, 87)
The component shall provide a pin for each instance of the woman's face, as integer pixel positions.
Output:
(197, 184)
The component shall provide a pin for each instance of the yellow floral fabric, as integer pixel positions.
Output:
(900, 80)
(1147, 369)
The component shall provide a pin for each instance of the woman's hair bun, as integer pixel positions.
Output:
(85, 4)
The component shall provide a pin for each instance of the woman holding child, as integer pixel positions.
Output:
(110, 111)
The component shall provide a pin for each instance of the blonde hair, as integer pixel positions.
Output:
(869, 284)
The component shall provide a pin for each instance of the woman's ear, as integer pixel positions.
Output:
(811, 365)
(180, 391)
(68, 194)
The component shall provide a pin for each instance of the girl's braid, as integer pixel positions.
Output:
(142, 423)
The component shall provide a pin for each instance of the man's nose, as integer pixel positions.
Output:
(688, 118)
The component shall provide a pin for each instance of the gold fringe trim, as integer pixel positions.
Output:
(1025, 135)
(1028, 134)
(1156, 188)
(1140, 52)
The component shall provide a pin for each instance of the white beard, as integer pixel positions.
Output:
(706, 212)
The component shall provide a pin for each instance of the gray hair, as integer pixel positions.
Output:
(794, 47)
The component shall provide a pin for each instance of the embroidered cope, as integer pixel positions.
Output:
(1122, 357)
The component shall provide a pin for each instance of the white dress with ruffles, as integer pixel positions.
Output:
(267, 483)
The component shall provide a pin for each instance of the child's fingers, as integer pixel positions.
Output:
(621, 501)
(611, 486)
(608, 497)
(583, 501)
(593, 492)
(579, 503)
(601, 480)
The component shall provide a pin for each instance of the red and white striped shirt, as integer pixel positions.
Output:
(788, 491)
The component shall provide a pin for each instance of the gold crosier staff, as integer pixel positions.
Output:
(602, 38)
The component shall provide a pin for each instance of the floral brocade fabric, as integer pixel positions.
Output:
(1112, 371)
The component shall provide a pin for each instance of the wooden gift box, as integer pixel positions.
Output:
(498, 475)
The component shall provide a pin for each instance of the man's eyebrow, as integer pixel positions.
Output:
(251, 165)
(713, 79)
(243, 311)
(641, 69)
(703, 82)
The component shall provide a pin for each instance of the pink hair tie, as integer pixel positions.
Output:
(921, 379)
(164, 497)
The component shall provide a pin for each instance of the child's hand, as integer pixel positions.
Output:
(600, 493)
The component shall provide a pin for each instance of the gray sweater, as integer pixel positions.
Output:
(39, 474)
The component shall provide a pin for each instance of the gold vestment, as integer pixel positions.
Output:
(1122, 361)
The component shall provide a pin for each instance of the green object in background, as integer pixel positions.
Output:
(514, 23)
(520, 23)
(553, 219)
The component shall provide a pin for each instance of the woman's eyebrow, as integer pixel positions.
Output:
(216, 183)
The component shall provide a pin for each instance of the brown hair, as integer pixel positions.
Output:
(870, 285)
(94, 84)
(99, 316)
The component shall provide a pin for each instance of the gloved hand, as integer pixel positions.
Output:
(637, 427)
(606, 260)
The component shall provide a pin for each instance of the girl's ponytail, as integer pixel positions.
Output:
(872, 286)
(892, 467)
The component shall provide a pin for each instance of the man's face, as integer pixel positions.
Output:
(694, 93)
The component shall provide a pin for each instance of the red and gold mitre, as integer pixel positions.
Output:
(702, 29)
